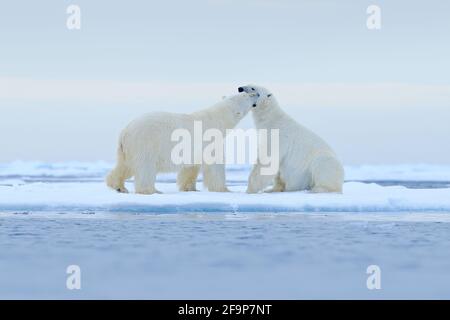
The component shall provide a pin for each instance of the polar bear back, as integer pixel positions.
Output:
(149, 136)
(296, 139)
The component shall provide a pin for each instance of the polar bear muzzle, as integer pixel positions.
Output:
(260, 92)
(248, 89)
(251, 91)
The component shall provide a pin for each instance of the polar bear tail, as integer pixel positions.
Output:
(116, 178)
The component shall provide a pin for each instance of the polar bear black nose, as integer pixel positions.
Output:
(240, 89)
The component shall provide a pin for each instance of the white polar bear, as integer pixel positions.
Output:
(145, 147)
(306, 161)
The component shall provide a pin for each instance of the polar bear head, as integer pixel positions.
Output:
(240, 104)
(263, 96)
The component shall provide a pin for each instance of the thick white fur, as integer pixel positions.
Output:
(306, 161)
(145, 147)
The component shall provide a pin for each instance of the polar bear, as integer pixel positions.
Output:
(306, 161)
(145, 147)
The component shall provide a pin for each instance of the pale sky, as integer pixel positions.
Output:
(377, 96)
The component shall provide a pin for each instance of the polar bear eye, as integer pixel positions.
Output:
(253, 89)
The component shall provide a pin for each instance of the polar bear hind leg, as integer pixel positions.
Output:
(327, 175)
(144, 182)
(214, 177)
(145, 176)
(116, 178)
(187, 178)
